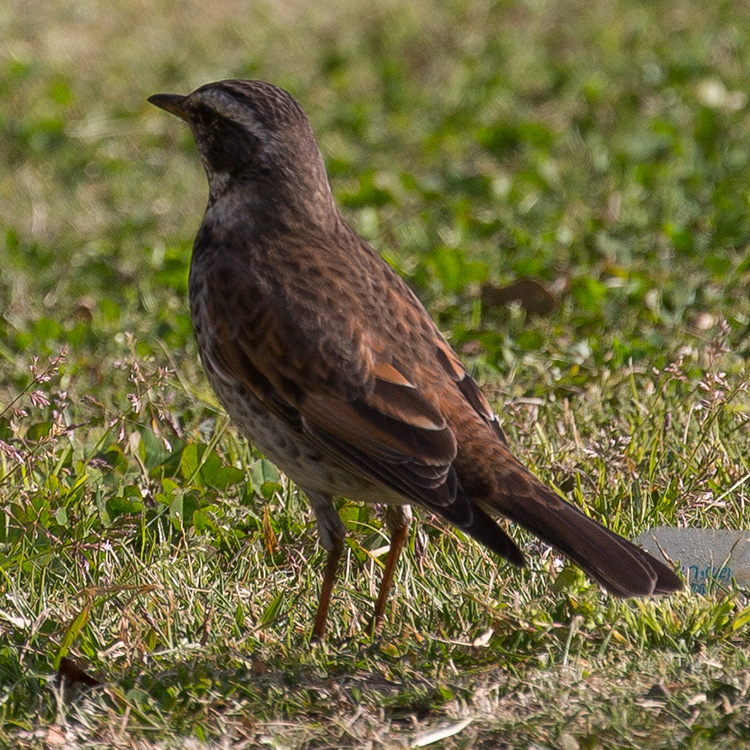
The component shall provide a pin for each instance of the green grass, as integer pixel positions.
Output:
(601, 149)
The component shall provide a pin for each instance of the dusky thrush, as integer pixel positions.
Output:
(334, 370)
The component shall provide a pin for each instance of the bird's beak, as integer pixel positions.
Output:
(172, 103)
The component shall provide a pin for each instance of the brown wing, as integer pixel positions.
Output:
(333, 378)
(455, 369)
(387, 431)
(386, 428)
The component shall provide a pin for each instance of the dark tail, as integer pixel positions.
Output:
(622, 568)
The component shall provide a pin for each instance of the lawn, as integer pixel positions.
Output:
(598, 152)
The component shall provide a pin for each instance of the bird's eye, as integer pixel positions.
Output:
(205, 116)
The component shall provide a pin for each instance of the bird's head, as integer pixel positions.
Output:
(255, 139)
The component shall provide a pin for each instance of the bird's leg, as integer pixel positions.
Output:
(332, 565)
(332, 532)
(398, 520)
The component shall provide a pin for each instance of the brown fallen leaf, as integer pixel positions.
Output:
(535, 297)
(74, 673)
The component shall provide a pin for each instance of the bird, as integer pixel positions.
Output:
(335, 371)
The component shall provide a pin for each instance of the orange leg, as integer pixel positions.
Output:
(332, 532)
(398, 519)
(329, 577)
